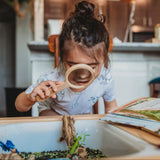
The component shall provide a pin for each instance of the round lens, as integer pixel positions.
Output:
(80, 77)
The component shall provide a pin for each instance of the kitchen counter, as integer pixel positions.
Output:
(43, 46)
(136, 47)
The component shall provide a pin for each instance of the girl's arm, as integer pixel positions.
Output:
(109, 106)
(23, 102)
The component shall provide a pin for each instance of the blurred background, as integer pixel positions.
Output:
(25, 26)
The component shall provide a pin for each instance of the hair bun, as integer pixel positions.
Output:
(85, 8)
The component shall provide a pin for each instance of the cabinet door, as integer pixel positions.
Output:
(153, 12)
(117, 18)
(54, 9)
(140, 15)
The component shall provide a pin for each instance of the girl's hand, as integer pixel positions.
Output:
(43, 90)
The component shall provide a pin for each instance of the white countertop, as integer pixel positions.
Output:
(136, 47)
(43, 46)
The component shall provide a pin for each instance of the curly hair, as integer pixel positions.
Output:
(85, 31)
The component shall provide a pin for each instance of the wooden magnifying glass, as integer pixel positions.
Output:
(79, 76)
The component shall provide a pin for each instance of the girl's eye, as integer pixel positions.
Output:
(93, 67)
(70, 65)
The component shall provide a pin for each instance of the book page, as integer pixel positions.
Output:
(143, 108)
(147, 104)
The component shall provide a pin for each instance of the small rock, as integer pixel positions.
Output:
(74, 157)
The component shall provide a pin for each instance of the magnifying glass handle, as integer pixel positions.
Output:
(59, 88)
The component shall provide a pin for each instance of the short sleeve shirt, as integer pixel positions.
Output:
(72, 103)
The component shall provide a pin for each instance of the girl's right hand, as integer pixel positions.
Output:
(43, 90)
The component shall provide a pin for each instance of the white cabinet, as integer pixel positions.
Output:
(131, 81)
(147, 13)
(132, 73)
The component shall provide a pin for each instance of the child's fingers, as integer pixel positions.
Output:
(55, 84)
(38, 91)
(54, 87)
(53, 96)
(58, 82)
(46, 91)
(32, 96)
(51, 84)
(43, 90)
(41, 94)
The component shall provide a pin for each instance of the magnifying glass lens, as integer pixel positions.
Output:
(80, 76)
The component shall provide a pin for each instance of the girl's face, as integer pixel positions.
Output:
(77, 56)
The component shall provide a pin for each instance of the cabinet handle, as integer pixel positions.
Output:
(150, 21)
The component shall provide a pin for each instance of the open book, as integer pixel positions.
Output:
(143, 113)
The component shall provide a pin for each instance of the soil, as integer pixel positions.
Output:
(91, 154)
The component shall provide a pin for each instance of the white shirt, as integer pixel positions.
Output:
(72, 103)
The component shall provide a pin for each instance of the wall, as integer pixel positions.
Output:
(7, 53)
(6, 62)
(23, 36)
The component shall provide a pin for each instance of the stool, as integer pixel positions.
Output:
(154, 87)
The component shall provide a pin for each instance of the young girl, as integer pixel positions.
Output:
(83, 40)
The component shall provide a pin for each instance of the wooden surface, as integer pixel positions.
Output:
(134, 158)
(150, 138)
(10, 120)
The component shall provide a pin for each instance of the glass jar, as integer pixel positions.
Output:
(157, 31)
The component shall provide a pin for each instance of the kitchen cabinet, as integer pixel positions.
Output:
(117, 16)
(54, 9)
(153, 12)
(140, 15)
(146, 16)
(147, 13)
(57, 9)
